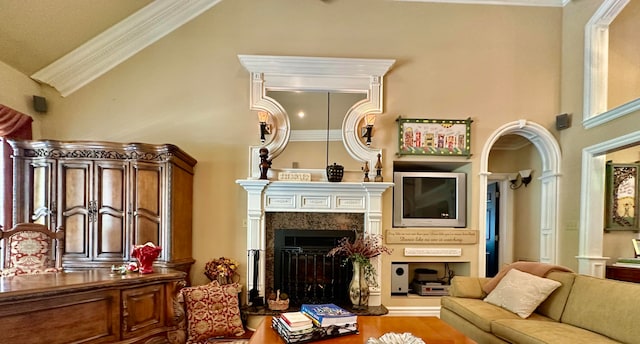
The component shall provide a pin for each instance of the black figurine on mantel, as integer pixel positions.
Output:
(265, 163)
(378, 177)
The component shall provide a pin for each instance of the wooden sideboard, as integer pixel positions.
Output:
(622, 273)
(90, 306)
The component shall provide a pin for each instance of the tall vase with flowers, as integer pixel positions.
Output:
(223, 269)
(359, 253)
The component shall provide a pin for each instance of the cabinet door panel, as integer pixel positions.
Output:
(42, 205)
(147, 190)
(142, 309)
(110, 194)
(74, 185)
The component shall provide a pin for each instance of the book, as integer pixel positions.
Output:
(312, 334)
(328, 314)
(296, 320)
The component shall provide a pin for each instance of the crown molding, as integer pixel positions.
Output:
(113, 46)
(540, 3)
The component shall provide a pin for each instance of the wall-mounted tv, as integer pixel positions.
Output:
(429, 199)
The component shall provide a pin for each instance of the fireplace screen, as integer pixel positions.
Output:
(303, 270)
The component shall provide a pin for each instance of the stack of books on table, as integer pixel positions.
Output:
(315, 322)
(628, 262)
(293, 327)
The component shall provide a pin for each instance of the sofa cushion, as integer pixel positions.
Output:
(554, 305)
(530, 331)
(212, 311)
(521, 292)
(465, 286)
(608, 307)
(478, 312)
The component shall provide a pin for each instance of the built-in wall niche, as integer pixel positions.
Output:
(443, 272)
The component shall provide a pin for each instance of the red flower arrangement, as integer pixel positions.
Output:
(146, 254)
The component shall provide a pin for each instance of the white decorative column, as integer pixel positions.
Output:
(373, 225)
(255, 230)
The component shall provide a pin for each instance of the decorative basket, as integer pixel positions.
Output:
(277, 304)
(335, 172)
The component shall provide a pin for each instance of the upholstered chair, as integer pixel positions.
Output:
(30, 248)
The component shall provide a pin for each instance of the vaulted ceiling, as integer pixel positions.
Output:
(69, 43)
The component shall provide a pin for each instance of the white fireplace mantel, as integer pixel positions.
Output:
(320, 197)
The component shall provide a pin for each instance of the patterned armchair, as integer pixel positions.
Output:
(30, 248)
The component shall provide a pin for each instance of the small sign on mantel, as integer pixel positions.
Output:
(294, 176)
(431, 236)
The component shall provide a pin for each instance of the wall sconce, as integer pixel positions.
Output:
(522, 178)
(367, 130)
(265, 128)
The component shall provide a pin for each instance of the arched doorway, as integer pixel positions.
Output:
(550, 155)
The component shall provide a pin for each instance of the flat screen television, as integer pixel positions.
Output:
(429, 199)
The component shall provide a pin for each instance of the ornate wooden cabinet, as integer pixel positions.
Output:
(108, 196)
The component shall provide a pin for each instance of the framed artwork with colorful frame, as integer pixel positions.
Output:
(621, 197)
(445, 137)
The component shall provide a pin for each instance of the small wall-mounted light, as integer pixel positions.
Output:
(367, 130)
(265, 127)
(522, 178)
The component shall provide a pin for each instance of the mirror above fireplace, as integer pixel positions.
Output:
(319, 74)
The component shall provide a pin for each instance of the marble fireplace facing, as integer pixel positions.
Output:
(354, 207)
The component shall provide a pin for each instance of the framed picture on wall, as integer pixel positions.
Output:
(447, 137)
(621, 196)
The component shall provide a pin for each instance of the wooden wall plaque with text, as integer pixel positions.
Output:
(431, 236)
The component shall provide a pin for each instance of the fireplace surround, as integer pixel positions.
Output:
(344, 204)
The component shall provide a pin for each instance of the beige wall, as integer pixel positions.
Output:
(495, 64)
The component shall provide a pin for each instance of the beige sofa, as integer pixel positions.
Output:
(584, 310)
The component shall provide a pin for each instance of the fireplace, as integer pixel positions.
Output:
(350, 207)
(303, 270)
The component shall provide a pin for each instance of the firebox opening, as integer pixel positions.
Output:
(303, 270)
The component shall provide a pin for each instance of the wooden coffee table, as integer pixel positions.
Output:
(432, 330)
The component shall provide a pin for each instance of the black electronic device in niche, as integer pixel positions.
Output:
(427, 283)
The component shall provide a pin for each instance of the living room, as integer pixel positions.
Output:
(494, 63)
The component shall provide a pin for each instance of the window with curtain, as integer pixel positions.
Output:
(13, 124)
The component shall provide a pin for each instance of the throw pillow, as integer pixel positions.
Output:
(521, 293)
(212, 311)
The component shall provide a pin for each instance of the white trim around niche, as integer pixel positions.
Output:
(590, 250)
(596, 67)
